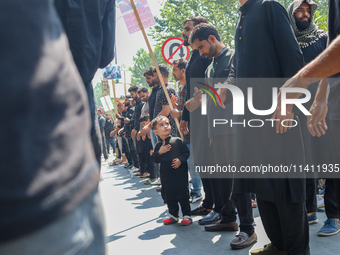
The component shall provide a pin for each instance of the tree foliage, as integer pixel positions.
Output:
(141, 61)
(220, 13)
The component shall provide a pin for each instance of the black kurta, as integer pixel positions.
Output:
(265, 47)
(334, 83)
(195, 69)
(174, 181)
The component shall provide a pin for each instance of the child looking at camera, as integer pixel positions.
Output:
(172, 154)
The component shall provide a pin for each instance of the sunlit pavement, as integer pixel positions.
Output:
(135, 211)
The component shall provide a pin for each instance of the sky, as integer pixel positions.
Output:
(128, 44)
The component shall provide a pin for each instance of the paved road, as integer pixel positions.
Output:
(134, 214)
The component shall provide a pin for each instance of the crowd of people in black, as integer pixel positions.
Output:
(285, 41)
(57, 153)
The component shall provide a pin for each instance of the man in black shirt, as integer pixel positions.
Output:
(49, 173)
(196, 66)
(161, 103)
(109, 127)
(128, 126)
(91, 35)
(312, 42)
(101, 122)
(265, 47)
(327, 64)
(136, 123)
(207, 40)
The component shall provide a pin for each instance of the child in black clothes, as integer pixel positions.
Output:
(172, 154)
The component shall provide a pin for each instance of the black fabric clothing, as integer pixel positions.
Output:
(311, 203)
(314, 50)
(47, 163)
(334, 83)
(110, 142)
(91, 36)
(175, 184)
(331, 208)
(152, 101)
(133, 152)
(147, 159)
(280, 235)
(335, 149)
(244, 210)
(90, 28)
(160, 101)
(317, 151)
(138, 109)
(129, 126)
(218, 72)
(136, 124)
(265, 47)
(195, 69)
(174, 208)
(109, 127)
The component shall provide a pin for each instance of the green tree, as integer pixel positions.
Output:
(220, 13)
(141, 61)
(98, 94)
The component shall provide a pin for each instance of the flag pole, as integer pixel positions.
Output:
(154, 62)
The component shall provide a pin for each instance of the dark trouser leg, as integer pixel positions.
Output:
(228, 211)
(286, 226)
(216, 188)
(108, 144)
(151, 166)
(126, 150)
(133, 152)
(142, 163)
(113, 144)
(104, 147)
(245, 213)
(173, 207)
(335, 149)
(208, 201)
(311, 204)
(185, 206)
(330, 201)
(95, 130)
(119, 152)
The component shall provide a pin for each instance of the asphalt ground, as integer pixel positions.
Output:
(134, 213)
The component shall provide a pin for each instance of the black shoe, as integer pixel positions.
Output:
(211, 218)
(200, 210)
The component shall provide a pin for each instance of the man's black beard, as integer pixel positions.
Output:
(186, 43)
(302, 25)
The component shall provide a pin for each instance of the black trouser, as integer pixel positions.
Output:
(146, 160)
(243, 204)
(110, 141)
(213, 195)
(335, 149)
(286, 225)
(126, 150)
(174, 208)
(133, 152)
(311, 186)
(221, 150)
(104, 150)
(119, 152)
(330, 201)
